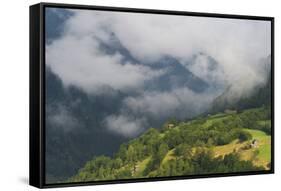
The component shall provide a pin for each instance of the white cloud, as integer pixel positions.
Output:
(136, 112)
(236, 44)
(78, 61)
(181, 103)
(207, 69)
(125, 126)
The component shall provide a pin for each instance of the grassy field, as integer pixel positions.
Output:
(215, 118)
(259, 155)
(169, 156)
(263, 147)
(141, 166)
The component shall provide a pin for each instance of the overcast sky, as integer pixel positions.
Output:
(76, 57)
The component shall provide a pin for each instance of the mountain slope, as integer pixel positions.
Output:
(261, 95)
(75, 118)
(176, 76)
(72, 124)
(218, 143)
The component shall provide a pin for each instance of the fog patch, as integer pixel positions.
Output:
(124, 125)
(61, 117)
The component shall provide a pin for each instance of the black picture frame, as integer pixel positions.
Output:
(37, 93)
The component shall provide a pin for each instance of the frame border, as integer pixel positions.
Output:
(40, 172)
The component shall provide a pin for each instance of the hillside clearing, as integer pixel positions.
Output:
(260, 156)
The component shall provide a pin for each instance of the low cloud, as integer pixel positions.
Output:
(59, 116)
(79, 62)
(206, 68)
(180, 103)
(237, 46)
(137, 112)
(124, 125)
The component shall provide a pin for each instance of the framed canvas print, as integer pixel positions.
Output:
(126, 95)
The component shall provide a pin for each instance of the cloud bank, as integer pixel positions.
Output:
(175, 103)
(79, 62)
(78, 59)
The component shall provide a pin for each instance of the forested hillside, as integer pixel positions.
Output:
(221, 143)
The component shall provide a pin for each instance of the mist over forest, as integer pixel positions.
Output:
(110, 76)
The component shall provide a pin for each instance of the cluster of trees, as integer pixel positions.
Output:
(203, 162)
(197, 134)
(189, 143)
(259, 119)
